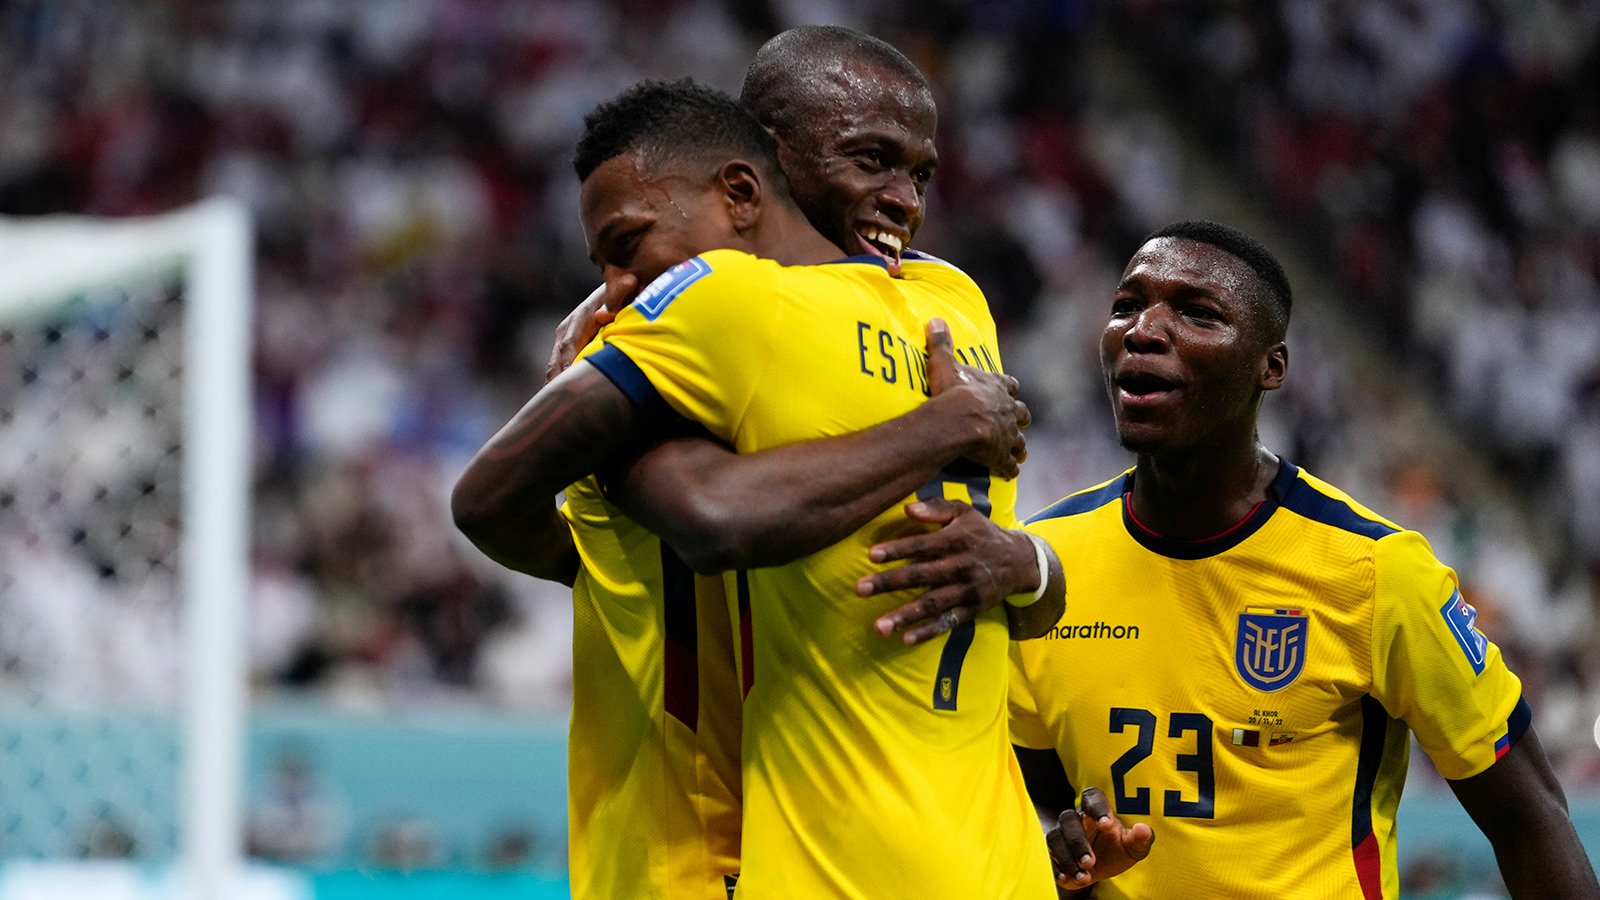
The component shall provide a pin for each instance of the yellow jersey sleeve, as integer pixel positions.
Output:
(696, 340)
(1027, 728)
(1433, 668)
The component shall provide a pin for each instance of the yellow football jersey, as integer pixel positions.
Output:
(1249, 696)
(653, 743)
(871, 769)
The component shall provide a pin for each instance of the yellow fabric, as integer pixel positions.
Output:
(653, 800)
(855, 785)
(1139, 688)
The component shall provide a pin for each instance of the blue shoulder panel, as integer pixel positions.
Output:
(669, 284)
(1084, 502)
(1301, 498)
(628, 377)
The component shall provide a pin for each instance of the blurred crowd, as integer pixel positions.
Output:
(1437, 162)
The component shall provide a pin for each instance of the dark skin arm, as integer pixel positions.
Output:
(966, 566)
(1519, 806)
(576, 425)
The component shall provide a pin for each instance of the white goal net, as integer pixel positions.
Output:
(124, 509)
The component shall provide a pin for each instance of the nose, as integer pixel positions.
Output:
(624, 281)
(1148, 333)
(901, 200)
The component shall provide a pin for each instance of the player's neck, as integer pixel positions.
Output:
(789, 238)
(1192, 497)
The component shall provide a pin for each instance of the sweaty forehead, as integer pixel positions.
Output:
(845, 95)
(1195, 264)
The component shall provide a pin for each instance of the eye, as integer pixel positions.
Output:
(873, 157)
(1124, 306)
(1202, 314)
(626, 245)
(922, 176)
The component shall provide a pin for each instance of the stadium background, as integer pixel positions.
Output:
(1429, 169)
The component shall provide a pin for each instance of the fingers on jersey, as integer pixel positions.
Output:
(1091, 844)
(942, 370)
(967, 567)
(1071, 852)
(929, 616)
(990, 403)
(584, 322)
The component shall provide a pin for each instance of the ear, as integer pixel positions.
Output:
(742, 191)
(1274, 366)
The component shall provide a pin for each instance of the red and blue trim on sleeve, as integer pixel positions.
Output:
(1516, 726)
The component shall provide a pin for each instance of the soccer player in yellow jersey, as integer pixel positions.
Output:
(1249, 650)
(857, 749)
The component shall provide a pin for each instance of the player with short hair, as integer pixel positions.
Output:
(663, 195)
(1249, 649)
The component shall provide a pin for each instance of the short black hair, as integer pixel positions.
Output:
(672, 121)
(780, 84)
(1253, 253)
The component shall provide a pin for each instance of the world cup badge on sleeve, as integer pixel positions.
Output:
(669, 284)
(1462, 620)
(1270, 649)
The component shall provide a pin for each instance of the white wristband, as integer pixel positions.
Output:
(1022, 601)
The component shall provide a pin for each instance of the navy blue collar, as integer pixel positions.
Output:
(868, 258)
(875, 260)
(1173, 548)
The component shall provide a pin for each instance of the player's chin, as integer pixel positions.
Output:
(1141, 438)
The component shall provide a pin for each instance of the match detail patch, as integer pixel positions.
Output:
(1462, 620)
(669, 284)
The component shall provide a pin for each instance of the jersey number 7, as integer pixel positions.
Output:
(975, 478)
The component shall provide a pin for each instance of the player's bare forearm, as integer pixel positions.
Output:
(1520, 808)
(721, 510)
(504, 501)
(1036, 619)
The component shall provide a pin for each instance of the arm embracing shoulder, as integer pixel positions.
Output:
(722, 510)
(504, 502)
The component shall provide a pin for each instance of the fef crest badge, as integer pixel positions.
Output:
(1270, 650)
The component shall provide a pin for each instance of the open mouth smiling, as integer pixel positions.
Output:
(884, 243)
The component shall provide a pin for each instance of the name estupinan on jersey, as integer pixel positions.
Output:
(885, 356)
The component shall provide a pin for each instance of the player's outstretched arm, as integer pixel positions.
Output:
(720, 510)
(503, 502)
(968, 566)
(1520, 808)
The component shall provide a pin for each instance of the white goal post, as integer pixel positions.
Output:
(47, 264)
